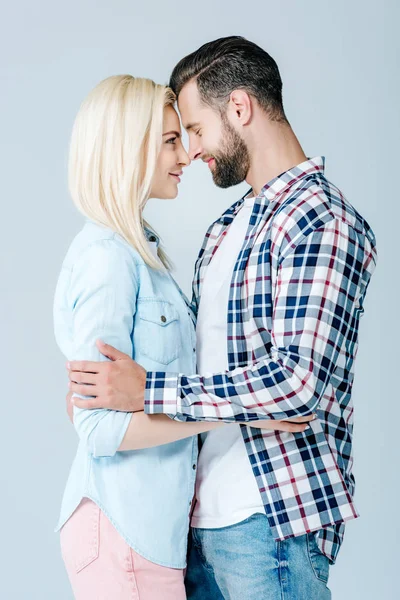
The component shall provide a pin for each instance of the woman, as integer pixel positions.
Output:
(125, 512)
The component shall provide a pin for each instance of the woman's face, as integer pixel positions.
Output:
(171, 160)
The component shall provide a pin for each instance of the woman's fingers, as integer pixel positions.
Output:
(306, 419)
(280, 426)
(293, 427)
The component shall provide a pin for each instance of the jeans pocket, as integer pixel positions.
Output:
(80, 537)
(319, 562)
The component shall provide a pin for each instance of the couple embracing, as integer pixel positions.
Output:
(215, 436)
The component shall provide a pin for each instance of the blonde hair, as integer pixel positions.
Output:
(115, 142)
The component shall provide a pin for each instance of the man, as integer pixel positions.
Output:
(279, 288)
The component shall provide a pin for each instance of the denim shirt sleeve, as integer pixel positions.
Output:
(103, 289)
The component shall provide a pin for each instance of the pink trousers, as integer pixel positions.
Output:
(102, 566)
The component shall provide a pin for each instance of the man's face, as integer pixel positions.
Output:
(213, 139)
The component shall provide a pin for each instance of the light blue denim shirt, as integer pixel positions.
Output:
(105, 290)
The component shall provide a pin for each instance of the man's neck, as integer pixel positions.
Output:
(273, 150)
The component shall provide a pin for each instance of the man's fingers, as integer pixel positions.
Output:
(70, 407)
(89, 404)
(110, 352)
(82, 378)
(84, 366)
(82, 390)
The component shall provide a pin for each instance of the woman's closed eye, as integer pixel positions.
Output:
(171, 140)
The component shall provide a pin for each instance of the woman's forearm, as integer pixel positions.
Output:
(146, 431)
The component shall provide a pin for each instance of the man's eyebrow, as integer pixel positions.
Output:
(190, 126)
(176, 133)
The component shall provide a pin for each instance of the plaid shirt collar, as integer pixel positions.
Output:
(280, 184)
(277, 186)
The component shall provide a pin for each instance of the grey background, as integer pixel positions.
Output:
(339, 63)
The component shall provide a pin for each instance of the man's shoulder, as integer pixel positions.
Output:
(311, 206)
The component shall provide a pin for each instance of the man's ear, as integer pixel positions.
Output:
(240, 107)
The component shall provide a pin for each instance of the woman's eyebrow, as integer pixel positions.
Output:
(176, 133)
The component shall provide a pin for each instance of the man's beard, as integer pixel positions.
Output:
(232, 162)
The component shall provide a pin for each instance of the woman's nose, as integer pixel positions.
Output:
(184, 159)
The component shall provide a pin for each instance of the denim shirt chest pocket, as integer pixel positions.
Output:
(157, 330)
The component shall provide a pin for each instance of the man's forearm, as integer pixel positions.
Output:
(306, 340)
(245, 395)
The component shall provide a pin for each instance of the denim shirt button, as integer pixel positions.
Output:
(163, 318)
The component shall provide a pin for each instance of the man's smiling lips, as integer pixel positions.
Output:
(210, 162)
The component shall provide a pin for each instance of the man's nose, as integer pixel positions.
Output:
(195, 151)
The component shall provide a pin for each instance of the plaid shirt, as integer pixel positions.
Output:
(295, 303)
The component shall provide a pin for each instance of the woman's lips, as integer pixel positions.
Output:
(176, 176)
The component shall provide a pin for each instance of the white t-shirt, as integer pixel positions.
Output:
(226, 489)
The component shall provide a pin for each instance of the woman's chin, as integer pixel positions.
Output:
(171, 194)
(168, 193)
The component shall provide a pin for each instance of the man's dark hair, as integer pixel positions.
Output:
(228, 64)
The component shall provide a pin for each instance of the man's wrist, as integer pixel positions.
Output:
(138, 401)
(161, 393)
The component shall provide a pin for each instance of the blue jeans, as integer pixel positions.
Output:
(244, 562)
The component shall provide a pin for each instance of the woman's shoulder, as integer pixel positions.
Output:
(98, 242)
